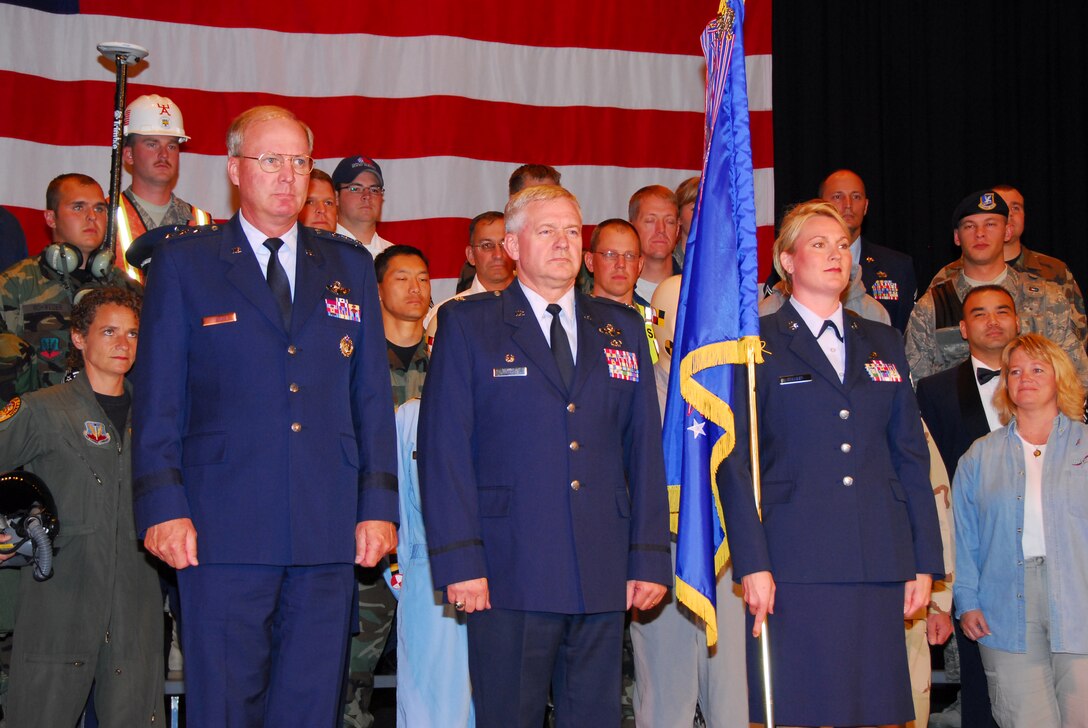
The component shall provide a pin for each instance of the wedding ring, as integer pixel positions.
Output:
(459, 606)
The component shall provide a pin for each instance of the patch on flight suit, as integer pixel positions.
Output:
(880, 371)
(10, 409)
(622, 364)
(346, 346)
(341, 308)
(95, 433)
(49, 347)
(885, 290)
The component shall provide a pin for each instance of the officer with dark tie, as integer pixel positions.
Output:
(541, 477)
(264, 441)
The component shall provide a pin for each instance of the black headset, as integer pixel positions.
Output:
(60, 260)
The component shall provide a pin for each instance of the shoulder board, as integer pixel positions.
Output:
(186, 231)
(336, 237)
(482, 296)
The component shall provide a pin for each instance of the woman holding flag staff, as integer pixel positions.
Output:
(849, 539)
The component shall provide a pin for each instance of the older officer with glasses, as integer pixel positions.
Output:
(264, 450)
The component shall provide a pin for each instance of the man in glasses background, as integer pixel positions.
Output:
(264, 448)
(485, 252)
(360, 190)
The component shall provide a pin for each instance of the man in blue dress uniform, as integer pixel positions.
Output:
(264, 440)
(541, 476)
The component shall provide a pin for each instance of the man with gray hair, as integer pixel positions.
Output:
(548, 519)
(264, 437)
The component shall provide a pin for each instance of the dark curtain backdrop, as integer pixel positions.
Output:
(930, 101)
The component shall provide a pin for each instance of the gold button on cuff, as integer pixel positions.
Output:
(293, 387)
(296, 427)
(575, 485)
(844, 414)
(574, 445)
(292, 350)
(847, 481)
(846, 447)
(571, 407)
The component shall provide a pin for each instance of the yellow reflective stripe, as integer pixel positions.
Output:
(124, 238)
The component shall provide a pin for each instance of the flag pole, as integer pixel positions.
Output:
(753, 445)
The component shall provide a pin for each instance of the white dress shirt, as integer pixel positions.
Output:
(986, 392)
(566, 316)
(288, 253)
(833, 349)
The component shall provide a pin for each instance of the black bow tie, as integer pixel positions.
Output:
(984, 375)
(829, 325)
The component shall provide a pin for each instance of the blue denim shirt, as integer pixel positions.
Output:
(988, 499)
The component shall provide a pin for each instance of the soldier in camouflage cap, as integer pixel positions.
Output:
(1021, 258)
(981, 228)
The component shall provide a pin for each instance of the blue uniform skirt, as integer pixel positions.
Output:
(838, 656)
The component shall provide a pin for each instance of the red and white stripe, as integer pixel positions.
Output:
(448, 97)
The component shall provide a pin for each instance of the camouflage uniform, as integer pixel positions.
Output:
(376, 602)
(1044, 266)
(1040, 304)
(34, 317)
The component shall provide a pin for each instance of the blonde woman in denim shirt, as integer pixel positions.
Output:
(1021, 508)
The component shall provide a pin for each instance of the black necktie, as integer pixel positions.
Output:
(561, 346)
(277, 280)
(830, 325)
(984, 375)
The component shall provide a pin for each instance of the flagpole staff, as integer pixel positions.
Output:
(123, 55)
(753, 447)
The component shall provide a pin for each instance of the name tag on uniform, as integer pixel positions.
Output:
(795, 379)
(223, 318)
(510, 372)
(882, 371)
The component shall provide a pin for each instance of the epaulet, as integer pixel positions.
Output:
(610, 302)
(335, 237)
(482, 296)
(142, 248)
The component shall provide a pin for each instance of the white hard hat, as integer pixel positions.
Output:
(155, 115)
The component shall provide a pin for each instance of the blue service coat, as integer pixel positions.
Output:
(556, 497)
(845, 468)
(275, 442)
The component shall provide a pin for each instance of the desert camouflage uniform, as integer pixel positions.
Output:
(34, 317)
(940, 600)
(1040, 304)
(1045, 266)
(376, 603)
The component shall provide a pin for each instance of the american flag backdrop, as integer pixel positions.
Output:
(448, 97)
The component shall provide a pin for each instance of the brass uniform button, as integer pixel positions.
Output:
(296, 427)
(575, 485)
(293, 387)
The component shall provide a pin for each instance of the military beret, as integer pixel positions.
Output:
(980, 203)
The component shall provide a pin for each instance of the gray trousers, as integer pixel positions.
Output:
(674, 669)
(1039, 688)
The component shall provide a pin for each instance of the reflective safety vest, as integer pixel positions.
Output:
(131, 226)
